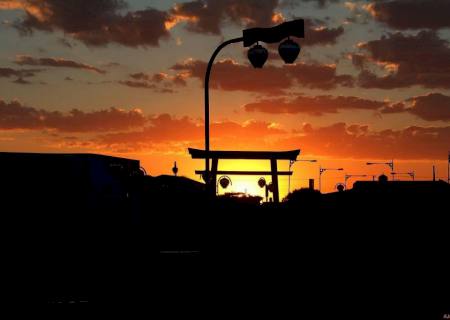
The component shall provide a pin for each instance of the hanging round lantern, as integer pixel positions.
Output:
(258, 56)
(224, 182)
(262, 182)
(289, 51)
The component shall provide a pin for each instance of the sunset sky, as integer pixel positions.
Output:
(125, 78)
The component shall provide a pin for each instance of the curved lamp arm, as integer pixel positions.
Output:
(207, 76)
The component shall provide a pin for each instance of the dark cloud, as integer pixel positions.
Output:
(394, 108)
(431, 107)
(295, 3)
(159, 82)
(14, 115)
(178, 133)
(137, 84)
(318, 33)
(161, 128)
(318, 76)
(317, 105)
(55, 62)
(100, 22)
(412, 14)
(140, 76)
(358, 141)
(422, 59)
(64, 42)
(339, 140)
(20, 73)
(359, 60)
(207, 16)
(96, 22)
(232, 76)
(112, 65)
(21, 81)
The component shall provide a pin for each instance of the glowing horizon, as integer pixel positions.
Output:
(125, 79)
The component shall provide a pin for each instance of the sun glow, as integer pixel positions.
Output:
(249, 184)
(244, 185)
(11, 5)
(278, 17)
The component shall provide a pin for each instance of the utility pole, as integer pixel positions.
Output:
(390, 164)
(411, 174)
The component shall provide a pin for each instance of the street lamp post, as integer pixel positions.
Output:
(322, 170)
(348, 176)
(411, 174)
(291, 163)
(390, 164)
(257, 55)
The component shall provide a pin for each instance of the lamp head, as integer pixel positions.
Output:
(289, 51)
(258, 56)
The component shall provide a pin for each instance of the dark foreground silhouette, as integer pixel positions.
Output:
(93, 229)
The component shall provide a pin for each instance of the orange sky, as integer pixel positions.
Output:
(125, 78)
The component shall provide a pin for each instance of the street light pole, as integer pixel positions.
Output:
(348, 176)
(390, 164)
(291, 163)
(207, 77)
(411, 174)
(288, 50)
(321, 171)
